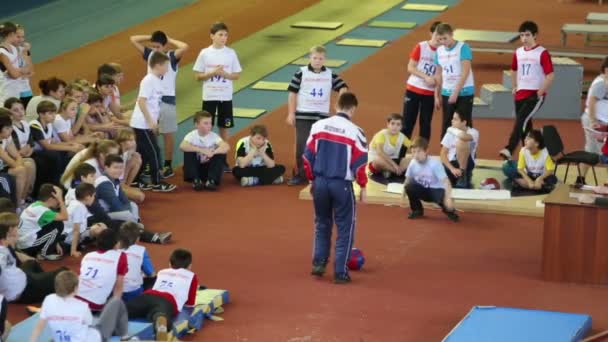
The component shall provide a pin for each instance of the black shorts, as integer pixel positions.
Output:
(470, 167)
(224, 112)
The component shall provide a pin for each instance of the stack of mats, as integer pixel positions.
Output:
(208, 303)
(496, 324)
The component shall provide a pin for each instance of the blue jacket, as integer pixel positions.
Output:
(110, 195)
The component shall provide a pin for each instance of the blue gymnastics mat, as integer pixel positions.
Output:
(497, 324)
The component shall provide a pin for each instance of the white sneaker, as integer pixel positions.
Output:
(505, 154)
(250, 181)
(279, 180)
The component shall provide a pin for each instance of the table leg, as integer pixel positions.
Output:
(563, 38)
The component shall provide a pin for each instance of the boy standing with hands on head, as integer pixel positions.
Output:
(218, 66)
(308, 102)
(160, 42)
(531, 77)
(144, 119)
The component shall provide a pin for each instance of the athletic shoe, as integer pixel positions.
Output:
(162, 238)
(211, 185)
(451, 214)
(279, 180)
(146, 171)
(415, 214)
(250, 181)
(296, 180)
(197, 185)
(505, 154)
(52, 257)
(160, 328)
(342, 278)
(143, 186)
(318, 270)
(163, 187)
(167, 172)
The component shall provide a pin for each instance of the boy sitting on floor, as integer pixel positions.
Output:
(204, 154)
(174, 288)
(255, 160)
(388, 149)
(141, 271)
(458, 149)
(534, 166)
(426, 180)
(76, 228)
(71, 320)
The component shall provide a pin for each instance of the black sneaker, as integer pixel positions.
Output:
(415, 214)
(163, 187)
(342, 278)
(197, 185)
(167, 172)
(318, 270)
(296, 180)
(211, 185)
(144, 186)
(451, 214)
(162, 238)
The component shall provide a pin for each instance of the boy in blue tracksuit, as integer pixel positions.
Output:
(335, 155)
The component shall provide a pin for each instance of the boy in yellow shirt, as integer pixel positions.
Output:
(534, 166)
(388, 148)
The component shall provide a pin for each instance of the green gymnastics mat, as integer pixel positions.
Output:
(392, 24)
(362, 42)
(425, 7)
(330, 63)
(248, 113)
(323, 25)
(267, 85)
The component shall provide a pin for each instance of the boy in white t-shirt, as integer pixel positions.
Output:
(76, 228)
(70, 319)
(425, 180)
(388, 148)
(458, 149)
(141, 274)
(144, 119)
(218, 66)
(204, 154)
(173, 289)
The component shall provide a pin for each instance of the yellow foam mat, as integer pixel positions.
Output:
(425, 7)
(331, 63)
(248, 113)
(392, 24)
(267, 85)
(324, 25)
(362, 42)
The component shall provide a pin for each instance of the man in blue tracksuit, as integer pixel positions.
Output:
(335, 155)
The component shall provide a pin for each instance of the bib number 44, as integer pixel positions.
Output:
(316, 92)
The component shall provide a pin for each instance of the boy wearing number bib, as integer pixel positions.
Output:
(308, 102)
(455, 84)
(174, 288)
(388, 148)
(531, 77)
(218, 66)
(71, 320)
(534, 166)
(420, 93)
(102, 273)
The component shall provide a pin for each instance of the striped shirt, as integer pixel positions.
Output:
(313, 89)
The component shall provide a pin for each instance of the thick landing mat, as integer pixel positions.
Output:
(483, 324)
(323, 25)
(424, 7)
(362, 42)
(330, 63)
(392, 24)
(523, 206)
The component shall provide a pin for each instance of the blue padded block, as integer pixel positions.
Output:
(497, 324)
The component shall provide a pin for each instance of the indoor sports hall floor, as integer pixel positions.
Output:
(420, 277)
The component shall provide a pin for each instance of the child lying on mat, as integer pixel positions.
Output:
(174, 288)
(388, 148)
(255, 160)
(70, 318)
(534, 166)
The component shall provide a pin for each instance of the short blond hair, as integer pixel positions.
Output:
(66, 283)
(318, 49)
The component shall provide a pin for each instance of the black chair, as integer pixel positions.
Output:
(555, 146)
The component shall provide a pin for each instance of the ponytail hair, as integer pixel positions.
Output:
(96, 149)
(7, 28)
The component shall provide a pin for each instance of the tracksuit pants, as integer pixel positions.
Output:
(415, 105)
(334, 200)
(211, 170)
(266, 175)
(416, 193)
(147, 147)
(524, 111)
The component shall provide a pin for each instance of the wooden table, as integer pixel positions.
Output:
(575, 239)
